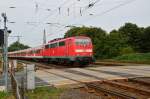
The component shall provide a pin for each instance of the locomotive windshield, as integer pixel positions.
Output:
(82, 41)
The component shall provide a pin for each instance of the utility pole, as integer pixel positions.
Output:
(5, 51)
(18, 38)
(44, 37)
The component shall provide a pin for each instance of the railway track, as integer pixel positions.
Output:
(122, 89)
(41, 65)
(97, 88)
(132, 88)
(61, 66)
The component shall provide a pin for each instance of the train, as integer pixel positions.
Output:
(71, 50)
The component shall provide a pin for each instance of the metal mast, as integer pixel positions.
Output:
(5, 51)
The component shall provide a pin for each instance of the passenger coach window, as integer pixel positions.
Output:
(46, 46)
(49, 46)
(62, 43)
(53, 45)
(37, 51)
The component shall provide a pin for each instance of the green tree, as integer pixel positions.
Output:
(145, 40)
(115, 43)
(132, 34)
(17, 46)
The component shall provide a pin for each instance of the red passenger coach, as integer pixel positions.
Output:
(67, 51)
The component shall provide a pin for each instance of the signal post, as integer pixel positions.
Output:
(5, 52)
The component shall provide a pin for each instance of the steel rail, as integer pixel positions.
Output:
(140, 81)
(125, 86)
(110, 91)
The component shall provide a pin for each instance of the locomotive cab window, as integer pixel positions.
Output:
(82, 41)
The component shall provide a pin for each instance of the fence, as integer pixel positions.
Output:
(26, 80)
(15, 87)
(18, 89)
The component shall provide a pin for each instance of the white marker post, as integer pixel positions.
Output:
(30, 76)
(15, 64)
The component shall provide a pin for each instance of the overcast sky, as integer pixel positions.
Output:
(31, 16)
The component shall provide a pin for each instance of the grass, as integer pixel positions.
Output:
(4, 95)
(44, 93)
(135, 58)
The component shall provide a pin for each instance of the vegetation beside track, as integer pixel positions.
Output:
(44, 93)
(4, 95)
(143, 58)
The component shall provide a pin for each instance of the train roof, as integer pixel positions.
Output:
(52, 41)
(26, 50)
(62, 39)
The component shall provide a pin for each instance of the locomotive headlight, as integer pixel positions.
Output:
(79, 50)
(89, 50)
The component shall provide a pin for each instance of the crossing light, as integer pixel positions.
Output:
(1, 37)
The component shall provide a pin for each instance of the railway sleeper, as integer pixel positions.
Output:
(113, 93)
(128, 87)
(140, 81)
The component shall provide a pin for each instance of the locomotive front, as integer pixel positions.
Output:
(84, 50)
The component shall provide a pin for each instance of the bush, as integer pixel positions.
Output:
(126, 50)
(4, 95)
(136, 57)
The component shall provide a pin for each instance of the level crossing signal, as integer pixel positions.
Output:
(1, 37)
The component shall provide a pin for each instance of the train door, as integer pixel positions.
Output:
(68, 47)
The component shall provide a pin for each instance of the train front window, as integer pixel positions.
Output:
(82, 41)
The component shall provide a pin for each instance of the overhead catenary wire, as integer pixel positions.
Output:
(92, 4)
(49, 16)
(53, 11)
(42, 22)
(82, 10)
(111, 8)
(45, 18)
(84, 20)
(107, 11)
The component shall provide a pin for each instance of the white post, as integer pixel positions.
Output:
(10, 65)
(15, 63)
(30, 76)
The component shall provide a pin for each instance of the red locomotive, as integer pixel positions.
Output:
(70, 50)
